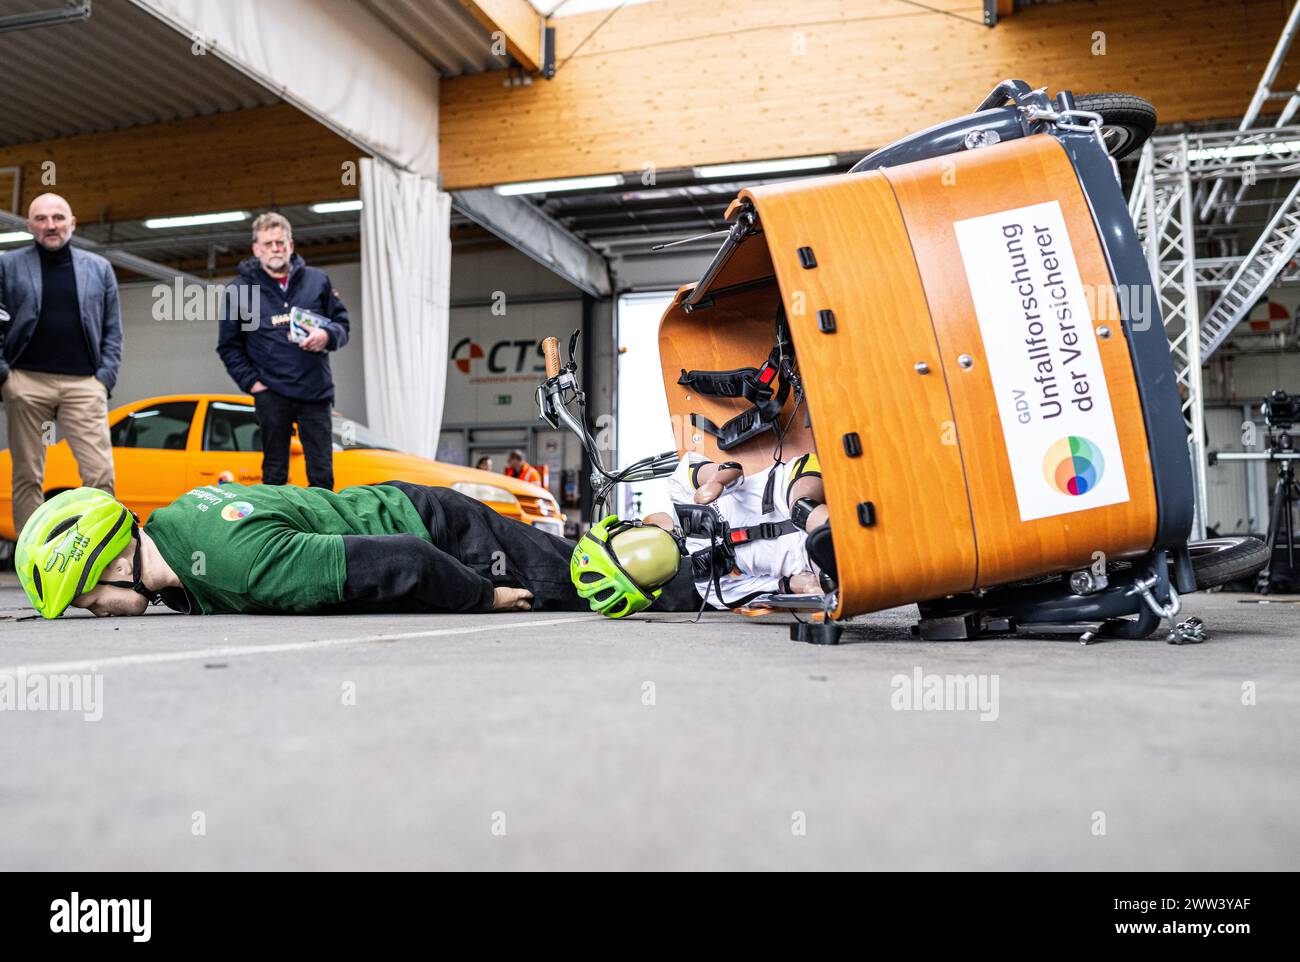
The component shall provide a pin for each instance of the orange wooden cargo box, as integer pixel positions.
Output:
(979, 395)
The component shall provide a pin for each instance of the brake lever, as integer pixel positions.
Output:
(573, 346)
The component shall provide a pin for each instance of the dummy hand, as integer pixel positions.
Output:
(512, 599)
(805, 583)
(316, 341)
(662, 520)
(713, 482)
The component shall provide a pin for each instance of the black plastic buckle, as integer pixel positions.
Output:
(763, 531)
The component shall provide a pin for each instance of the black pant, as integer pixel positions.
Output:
(275, 416)
(474, 550)
(506, 552)
(510, 553)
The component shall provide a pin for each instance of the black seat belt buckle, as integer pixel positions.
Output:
(739, 535)
(766, 373)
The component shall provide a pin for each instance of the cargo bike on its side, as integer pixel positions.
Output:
(967, 335)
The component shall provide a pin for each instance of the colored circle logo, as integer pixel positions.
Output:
(236, 510)
(1073, 465)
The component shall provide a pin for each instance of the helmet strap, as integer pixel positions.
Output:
(136, 584)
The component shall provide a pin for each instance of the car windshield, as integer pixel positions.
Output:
(351, 436)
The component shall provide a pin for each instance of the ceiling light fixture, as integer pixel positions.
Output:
(335, 207)
(552, 186)
(753, 168)
(196, 220)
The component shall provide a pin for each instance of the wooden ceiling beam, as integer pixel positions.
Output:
(519, 24)
(240, 160)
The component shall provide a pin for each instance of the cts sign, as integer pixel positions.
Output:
(509, 359)
(496, 362)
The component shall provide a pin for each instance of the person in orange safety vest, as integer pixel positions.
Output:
(517, 467)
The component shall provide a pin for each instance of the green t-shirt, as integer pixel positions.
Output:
(272, 548)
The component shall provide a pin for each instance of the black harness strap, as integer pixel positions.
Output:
(737, 383)
(717, 560)
(769, 491)
(699, 520)
(766, 388)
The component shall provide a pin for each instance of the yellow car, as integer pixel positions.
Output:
(164, 446)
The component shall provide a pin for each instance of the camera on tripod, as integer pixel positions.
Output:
(1281, 412)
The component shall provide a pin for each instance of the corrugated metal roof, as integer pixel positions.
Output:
(441, 31)
(121, 68)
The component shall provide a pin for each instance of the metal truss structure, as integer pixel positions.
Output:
(1178, 192)
(1203, 299)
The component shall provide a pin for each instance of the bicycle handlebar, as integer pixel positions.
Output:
(551, 350)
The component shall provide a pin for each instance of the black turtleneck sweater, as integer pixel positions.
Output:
(58, 344)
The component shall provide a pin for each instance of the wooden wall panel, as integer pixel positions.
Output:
(677, 82)
(7, 179)
(246, 159)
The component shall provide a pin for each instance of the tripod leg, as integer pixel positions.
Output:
(1280, 490)
(1290, 526)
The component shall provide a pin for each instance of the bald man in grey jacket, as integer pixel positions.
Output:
(61, 353)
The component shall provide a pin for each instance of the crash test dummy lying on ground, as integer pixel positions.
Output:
(393, 547)
(743, 537)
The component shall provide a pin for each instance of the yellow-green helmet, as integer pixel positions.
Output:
(66, 545)
(621, 579)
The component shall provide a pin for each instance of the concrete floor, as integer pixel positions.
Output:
(525, 742)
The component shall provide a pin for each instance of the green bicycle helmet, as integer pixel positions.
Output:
(621, 579)
(66, 545)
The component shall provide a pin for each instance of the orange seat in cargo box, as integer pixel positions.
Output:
(971, 348)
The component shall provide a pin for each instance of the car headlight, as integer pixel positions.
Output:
(489, 493)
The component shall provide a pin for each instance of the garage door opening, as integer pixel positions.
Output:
(644, 425)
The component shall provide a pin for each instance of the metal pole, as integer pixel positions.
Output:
(1192, 308)
(46, 18)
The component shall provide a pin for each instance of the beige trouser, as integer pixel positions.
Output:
(33, 403)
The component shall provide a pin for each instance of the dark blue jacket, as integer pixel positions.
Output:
(101, 312)
(254, 338)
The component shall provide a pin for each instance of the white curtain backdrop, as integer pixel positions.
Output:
(332, 58)
(405, 283)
